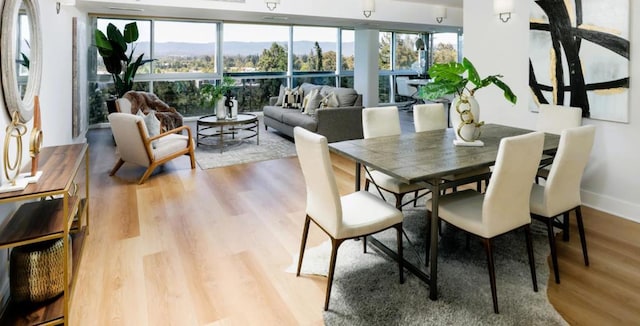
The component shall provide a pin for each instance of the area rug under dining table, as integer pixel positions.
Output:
(366, 290)
(273, 145)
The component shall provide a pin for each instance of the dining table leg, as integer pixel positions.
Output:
(433, 243)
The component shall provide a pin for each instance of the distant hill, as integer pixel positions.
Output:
(236, 48)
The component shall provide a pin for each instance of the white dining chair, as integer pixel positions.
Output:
(554, 119)
(561, 192)
(381, 122)
(341, 217)
(504, 207)
(430, 116)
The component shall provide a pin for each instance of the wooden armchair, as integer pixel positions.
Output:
(135, 146)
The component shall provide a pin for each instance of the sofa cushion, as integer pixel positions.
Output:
(276, 112)
(295, 118)
(306, 88)
(346, 96)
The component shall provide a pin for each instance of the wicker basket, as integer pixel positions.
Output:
(37, 271)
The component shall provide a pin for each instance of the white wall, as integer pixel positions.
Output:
(612, 176)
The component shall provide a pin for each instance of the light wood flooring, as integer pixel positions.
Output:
(210, 247)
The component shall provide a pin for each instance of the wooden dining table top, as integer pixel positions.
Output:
(423, 156)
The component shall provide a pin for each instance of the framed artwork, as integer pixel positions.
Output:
(579, 56)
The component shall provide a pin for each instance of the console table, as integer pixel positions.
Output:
(53, 208)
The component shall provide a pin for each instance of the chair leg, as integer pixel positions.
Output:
(479, 186)
(400, 253)
(147, 173)
(532, 263)
(492, 273)
(364, 244)
(303, 243)
(116, 167)
(583, 239)
(552, 246)
(565, 227)
(192, 157)
(335, 243)
(415, 200)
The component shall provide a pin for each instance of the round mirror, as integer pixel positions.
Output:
(21, 56)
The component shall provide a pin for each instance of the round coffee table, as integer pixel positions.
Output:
(209, 127)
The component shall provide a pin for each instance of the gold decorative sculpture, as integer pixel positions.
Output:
(35, 142)
(14, 131)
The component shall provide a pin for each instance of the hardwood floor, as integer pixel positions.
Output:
(210, 247)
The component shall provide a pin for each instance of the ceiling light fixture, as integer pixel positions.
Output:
(440, 14)
(368, 7)
(271, 4)
(64, 3)
(503, 8)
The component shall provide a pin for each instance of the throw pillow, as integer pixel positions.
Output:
(292, 98)
(314, 103)
(311, 101)
(280, 96)
(330, 101)
(152, 123)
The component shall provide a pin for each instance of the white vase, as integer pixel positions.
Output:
(221, 110)
(465, 118)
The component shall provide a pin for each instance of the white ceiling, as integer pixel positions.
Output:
(147, 8)
(446, 3)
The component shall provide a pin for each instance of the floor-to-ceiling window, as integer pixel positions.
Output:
(260, 58)
(256, 56)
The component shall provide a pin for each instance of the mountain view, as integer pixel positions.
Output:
(237, 48)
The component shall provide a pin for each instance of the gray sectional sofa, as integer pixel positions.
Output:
(342, 122)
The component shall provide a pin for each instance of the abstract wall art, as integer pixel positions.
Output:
(579, 56)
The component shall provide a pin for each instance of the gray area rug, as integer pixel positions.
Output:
(366, 290)
(272, 146)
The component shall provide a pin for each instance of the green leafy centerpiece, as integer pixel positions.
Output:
(213, 96)
(455, 78)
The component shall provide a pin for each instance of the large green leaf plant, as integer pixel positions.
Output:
(113, 47)
(460, 79)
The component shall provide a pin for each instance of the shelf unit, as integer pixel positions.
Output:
(55, 207)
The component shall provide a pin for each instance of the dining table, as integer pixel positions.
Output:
(426, 158)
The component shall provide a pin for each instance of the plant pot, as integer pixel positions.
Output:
(465, 118)
(111, 104)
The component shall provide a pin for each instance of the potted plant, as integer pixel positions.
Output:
(212, 95)
(454, 78)
(113, 47)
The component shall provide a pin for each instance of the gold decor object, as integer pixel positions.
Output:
(35, 141)
(467, 120)
(14, 131)
(37, 271)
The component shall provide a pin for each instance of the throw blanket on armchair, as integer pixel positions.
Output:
(168, 116)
